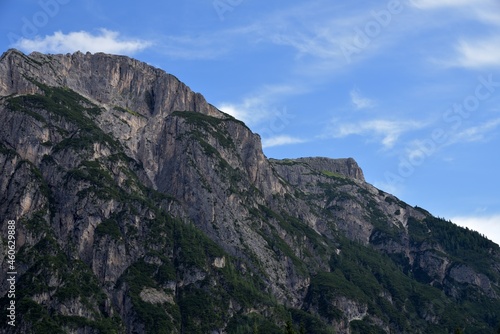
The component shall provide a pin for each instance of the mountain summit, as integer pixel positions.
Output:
(141, 208)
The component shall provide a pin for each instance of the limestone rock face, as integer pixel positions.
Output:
(106, 79)
(347, 167)
(140, 207)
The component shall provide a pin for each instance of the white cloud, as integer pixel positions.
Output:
(470, 52)
(487, 225)
(491, 16)
(477, 53)
(194, 47)
(311, 28)
(359, 101)
(252, 110)
(475, 133)
(420, 149)
(258, 107)
(434, 4)
(105, 41)
(324, 41)
(319, 44)
(281, 140)
(239, 112)
(485, 11)
(388, 132)
(393, 188)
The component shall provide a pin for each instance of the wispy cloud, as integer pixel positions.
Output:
(487, 225)
(419, 149)
(329, 44)
(252, 110)
(396, 189)
(259, 106)
(194, 47)
(104, 41)
(211, 44)
(241, 111)
(321, 40)
(281, 140)
(386, 131)
(488, 15)
(319, 44)
(475, 133)
(469, 51)
(359, 101)
(477, 53)
(434, 4)
(486, 11)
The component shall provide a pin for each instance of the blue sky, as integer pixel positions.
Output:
(409, 88)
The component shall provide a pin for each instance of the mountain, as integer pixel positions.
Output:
(141, 208)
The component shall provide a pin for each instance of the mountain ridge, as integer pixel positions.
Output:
(119, 170)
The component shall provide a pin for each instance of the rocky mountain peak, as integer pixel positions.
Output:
(141, 208)
(109, 80)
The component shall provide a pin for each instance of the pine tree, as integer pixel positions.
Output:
(289, 328)
(255, 328)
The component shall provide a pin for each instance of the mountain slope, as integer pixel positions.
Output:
(142, 208)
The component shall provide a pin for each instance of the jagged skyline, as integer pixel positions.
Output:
(410, 89)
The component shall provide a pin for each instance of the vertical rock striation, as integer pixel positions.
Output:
(143, 208)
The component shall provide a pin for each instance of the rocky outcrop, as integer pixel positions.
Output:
(465, 274)
(347, 167)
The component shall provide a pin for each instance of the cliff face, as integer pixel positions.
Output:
(142, 208)
(108, 80)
